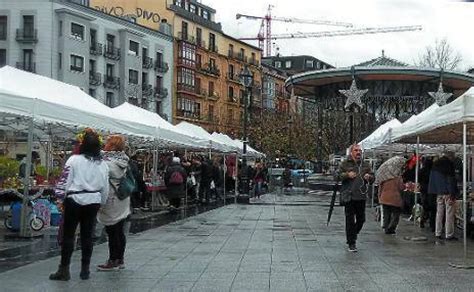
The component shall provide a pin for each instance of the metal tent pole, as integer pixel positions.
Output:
(224, 169)
(24, 228)
(236, 178)
(417, 153)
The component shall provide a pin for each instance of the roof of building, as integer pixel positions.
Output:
(382, 61)
(241, 41)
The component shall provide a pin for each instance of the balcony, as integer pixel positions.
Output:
(241, 57)
(95, 78)
(27, 35)
(253, 61)
(29, 66)
(213, 95)
(213, 48)
(96, 49)
(112, 53)
(147, 63)
(201, 91)
(147, 90)
(186, 37)
(188, 114)
(112, 82)
(207, 69)
(233, 77)
(161, 67)
(161, 93)
(231, 54)
(189, 89)
(201, 44)
(233, 98)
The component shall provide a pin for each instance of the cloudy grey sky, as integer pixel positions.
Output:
(439, 18)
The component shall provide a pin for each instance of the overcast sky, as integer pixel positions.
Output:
(439, 18)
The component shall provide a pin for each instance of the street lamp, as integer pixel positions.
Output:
(246, 78)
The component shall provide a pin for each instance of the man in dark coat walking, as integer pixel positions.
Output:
(175, 180)
(354, 174)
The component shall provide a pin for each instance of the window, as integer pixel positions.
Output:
(133, 48)
(60, 30)
(324, 66)
(231, 50)
(184, 30)
(210, 112)
(92, 66)
(109, 71)
(231, 70)
(3, 57)
(28, 25)
(205, 14)
(186, 77)
(242, 53)
(188, 108)
(199, 36)
(318, 65)
(144, 52)
(110, 41)
(93, 34)
(211, 88)
(212, 63)
(198, 61)
(3, 27)
(77, 31)
(277, 64)
(77, 63)
(92, 92)
(309, 63)
(109, 99)
(253, 59)
(231, 92)
(192, 8)
(144, 78)
(132, 76)
(187, 54)
(212, 42)
(288, 64)
(159, 82)
(60, 60)
(27, 58)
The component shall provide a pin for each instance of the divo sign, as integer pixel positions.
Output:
(139, 13)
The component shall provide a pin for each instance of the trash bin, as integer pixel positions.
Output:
(16, 215)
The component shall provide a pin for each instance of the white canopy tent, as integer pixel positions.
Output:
(166, 132)
(50, 102)
(376, 138)
(202, 135)
(450, 124)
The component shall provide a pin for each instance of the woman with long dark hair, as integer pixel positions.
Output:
(82, 188)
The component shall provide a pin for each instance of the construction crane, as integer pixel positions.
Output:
(268, 37)
(267, 19)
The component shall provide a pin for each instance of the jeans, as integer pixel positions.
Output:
(117, 240)
(258, 188)
(355, 218)
(445, 206)
(75, 214)
(391, 217)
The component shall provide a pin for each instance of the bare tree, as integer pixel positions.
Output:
(441, 56)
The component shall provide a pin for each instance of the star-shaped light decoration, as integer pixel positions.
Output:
(440, 96)
(353, 95)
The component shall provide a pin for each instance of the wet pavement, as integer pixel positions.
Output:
(16, 252)
(278, 243)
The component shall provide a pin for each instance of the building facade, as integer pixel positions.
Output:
(274, 95)
(296, 64)
(111, 58)
(207, 61)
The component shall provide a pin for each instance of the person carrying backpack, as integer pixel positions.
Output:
(175, 180)
(117, 208)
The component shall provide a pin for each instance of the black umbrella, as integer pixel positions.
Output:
(333, 201)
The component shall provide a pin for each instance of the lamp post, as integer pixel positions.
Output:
(246, 78)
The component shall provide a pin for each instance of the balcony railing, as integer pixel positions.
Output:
(231, 54)
(29, 66)
(233, 77)
(27, 35)
(112, 53)
(147, 90)
(147, 63)
(213, 48)
(201, 44)
(161, 93)
(95, 78)
(201, 92)
(112, 82)
(161, 67)
(253, 61)
(241, 57)
(188, 114)
(208, 69)
(186, 37)
(96, 49)
(187, 88)
(213, 95)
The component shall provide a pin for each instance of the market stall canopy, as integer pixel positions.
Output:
(445, 125)
(166, 133)
(201, 134)
(226, 140)
(414, 123)
(377, 137)
(51, 102)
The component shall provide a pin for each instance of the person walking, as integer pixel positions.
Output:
(116, 210)
(175, 180)
(443, 184)
(354, 174)
(82, 188)
(258, 179)
(389, 179)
